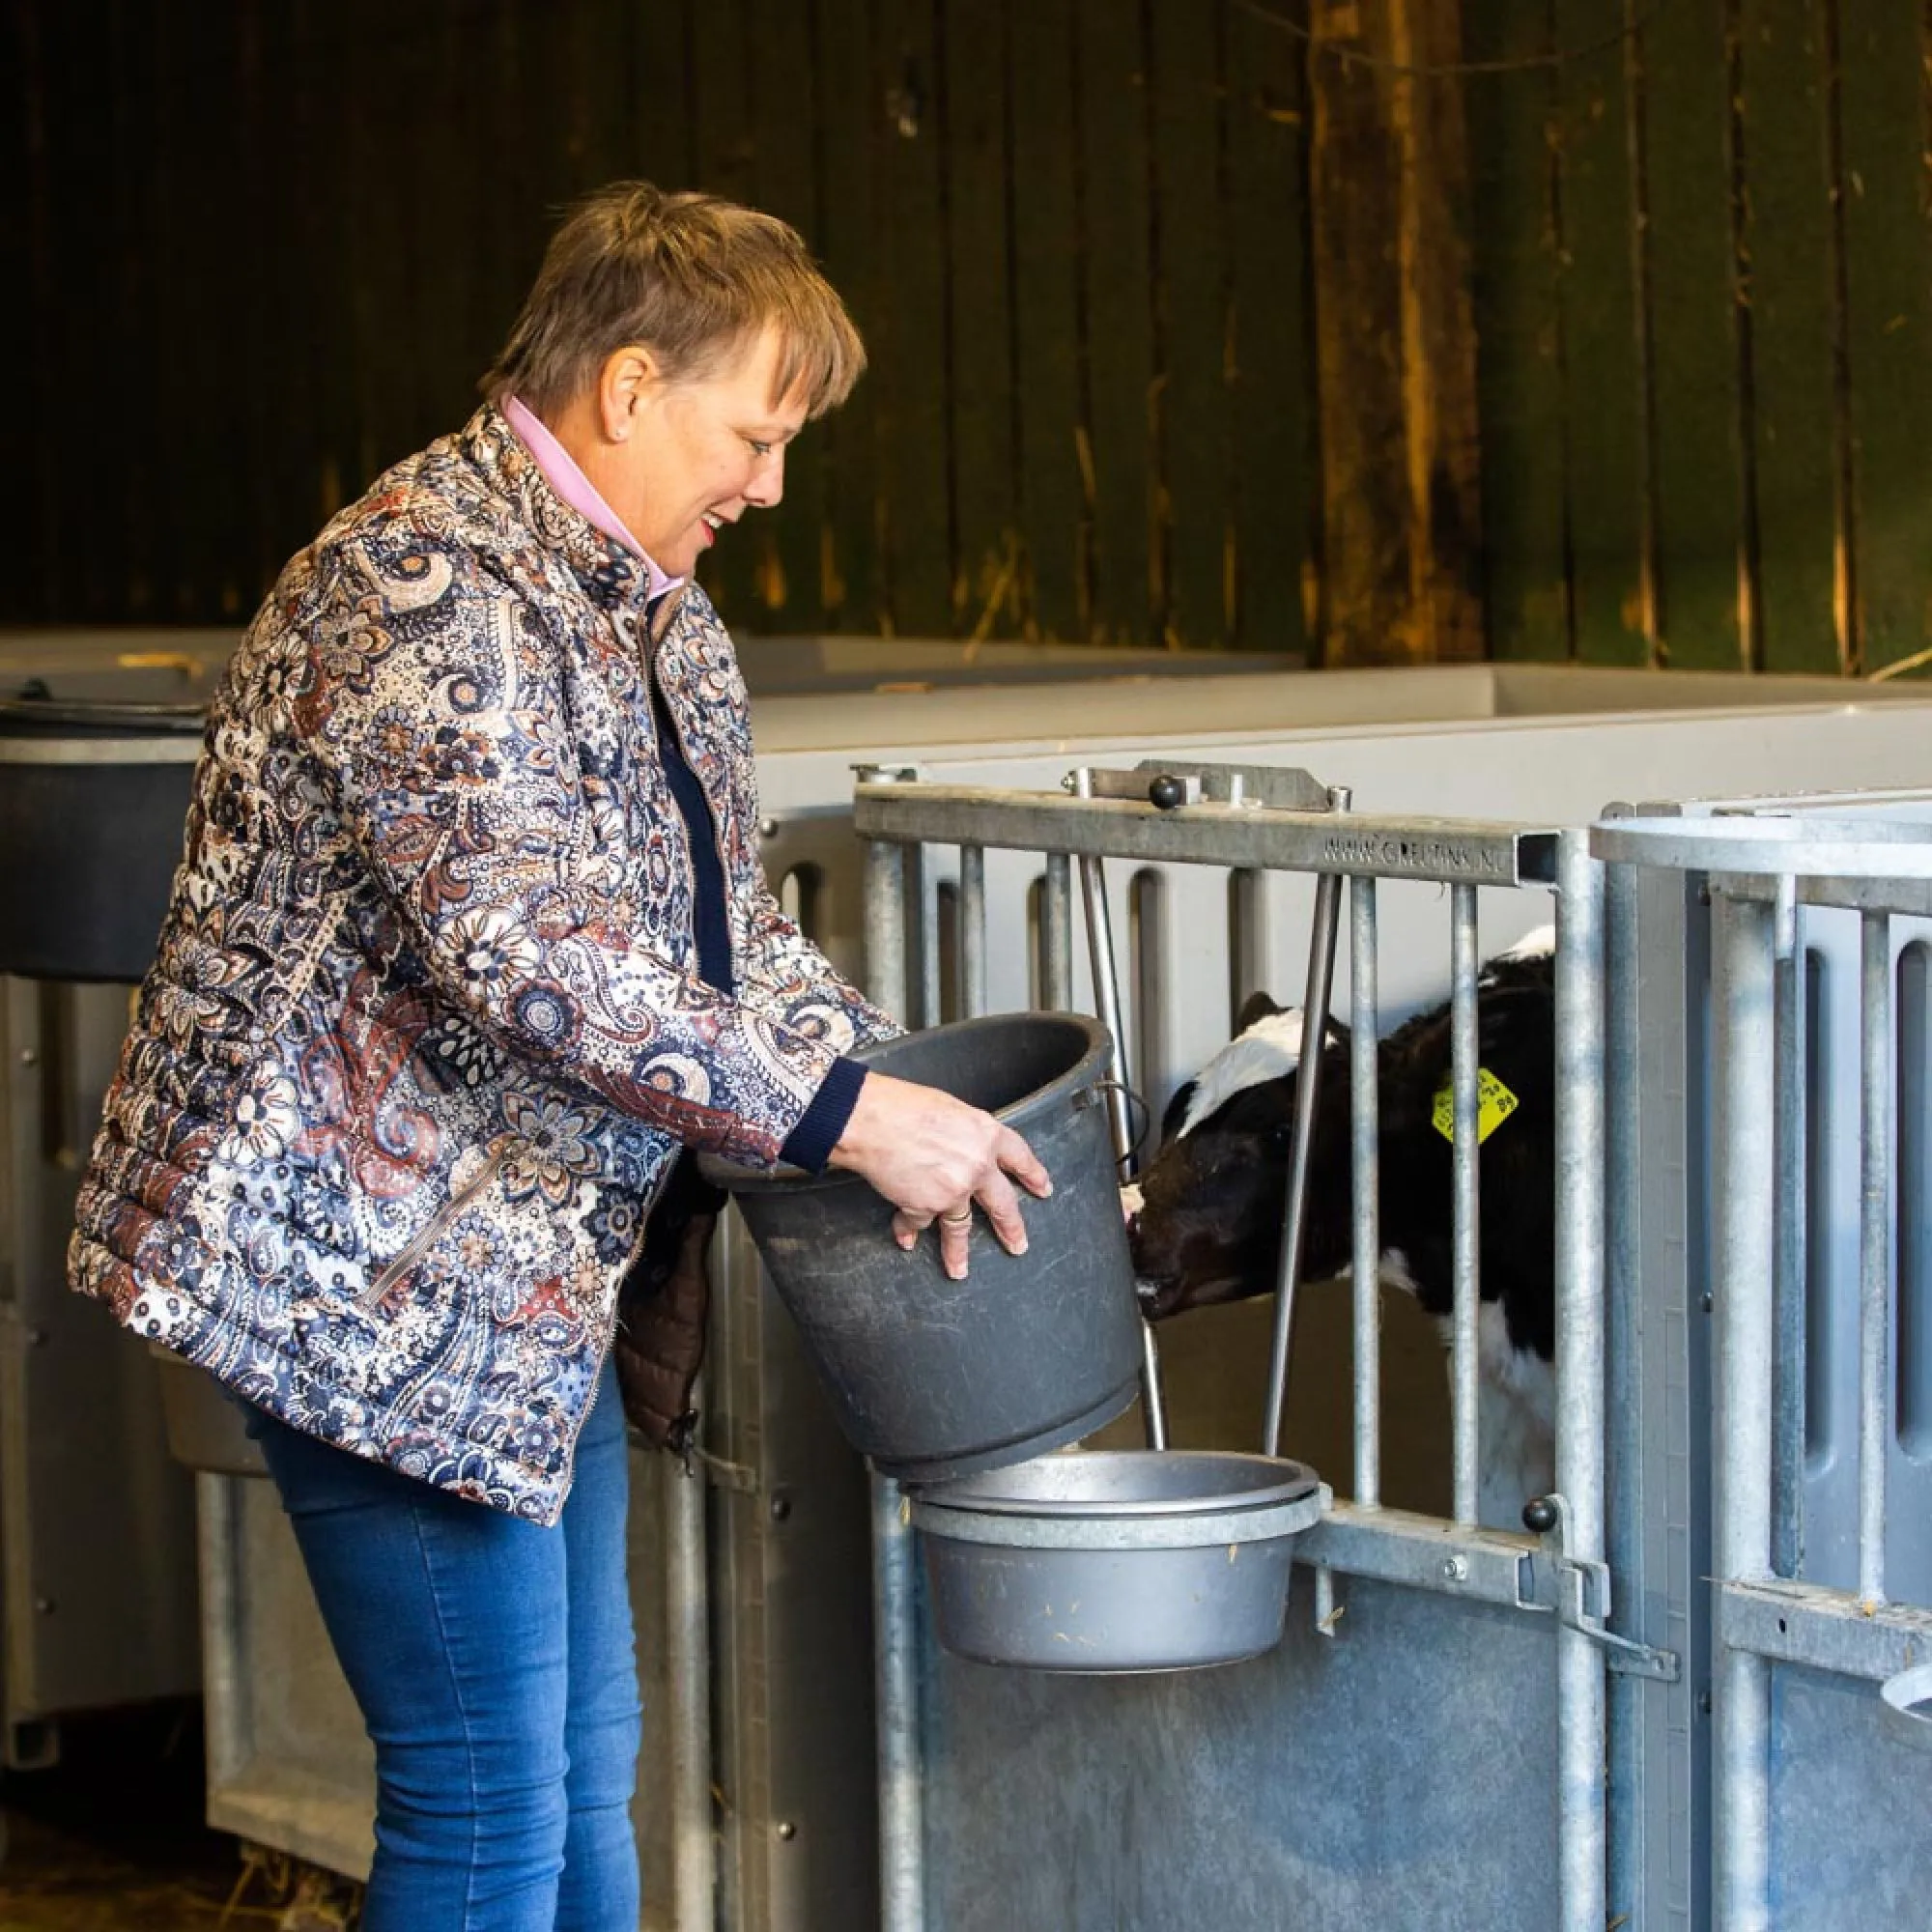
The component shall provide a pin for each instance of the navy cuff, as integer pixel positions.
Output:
(809, 1143)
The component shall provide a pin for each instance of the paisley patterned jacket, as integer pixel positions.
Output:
(425, 1028)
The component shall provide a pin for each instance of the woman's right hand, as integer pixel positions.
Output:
(933, 1157)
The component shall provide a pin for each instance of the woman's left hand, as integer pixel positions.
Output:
(933, 1157)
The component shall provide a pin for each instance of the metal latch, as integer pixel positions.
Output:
(1577, 1590)
(724, 1475)
(682, 1442)
(1287, 788)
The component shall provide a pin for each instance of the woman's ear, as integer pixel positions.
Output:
(629, 384)
(1256, 1007)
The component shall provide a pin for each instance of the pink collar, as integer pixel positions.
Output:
(561, 472)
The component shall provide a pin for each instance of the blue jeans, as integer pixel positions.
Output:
(496, 1668)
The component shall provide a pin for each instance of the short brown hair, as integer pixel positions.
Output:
(690, 278)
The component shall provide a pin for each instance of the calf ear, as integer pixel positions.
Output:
(1177, 1111)
(1256, 1007)
(1340, 1032)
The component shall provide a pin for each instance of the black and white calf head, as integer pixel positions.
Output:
(1208, 1228)
(1207, 1223)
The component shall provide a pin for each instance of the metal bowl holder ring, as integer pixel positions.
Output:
(1126, 1561)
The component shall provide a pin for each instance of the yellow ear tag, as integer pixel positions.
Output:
(1495, 1104)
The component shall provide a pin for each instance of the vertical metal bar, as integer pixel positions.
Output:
(1464, 1201)
(1247, 935)
(229, 1723)
(1147, 969)
(896, 1636)
(972, 931)
(1875, 1143)
(1626, 1492)
(1106, 980)
(687, 1651)
(901, 1823)
(1787, 1434)
(1307, 1085)
(1055, 933)
(885, 926)
(1107, 998)
(1743, 1182)
(1153, 1400)
(1365, 1125)
(1581, 1698)
(922, 881)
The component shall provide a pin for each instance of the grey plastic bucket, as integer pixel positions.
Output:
(1116, 1561)
(935, 1379)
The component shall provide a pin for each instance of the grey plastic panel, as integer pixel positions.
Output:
(1394, 1776)
(1849, 1806)
(1850, 1809)
(1828, 1531)
(94, 1515)
(1659, 1369)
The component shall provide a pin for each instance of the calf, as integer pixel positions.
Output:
(1209, 1224)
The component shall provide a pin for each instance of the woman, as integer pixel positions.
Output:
(469, 942)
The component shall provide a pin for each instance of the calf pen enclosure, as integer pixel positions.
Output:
(751, 1584)
(1429, 1747)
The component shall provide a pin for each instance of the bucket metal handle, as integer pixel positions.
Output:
(1091, 1096)
(1314, 1003)
(1107, 999)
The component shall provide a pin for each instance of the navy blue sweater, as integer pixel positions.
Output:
(810, 1141)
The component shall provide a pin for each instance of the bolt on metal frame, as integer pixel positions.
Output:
(1270, 818)
(1759, 869)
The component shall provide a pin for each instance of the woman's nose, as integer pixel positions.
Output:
(768, 480)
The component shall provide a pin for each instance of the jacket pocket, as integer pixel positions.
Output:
(438, 1225)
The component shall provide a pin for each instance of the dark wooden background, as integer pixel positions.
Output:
(253, 250)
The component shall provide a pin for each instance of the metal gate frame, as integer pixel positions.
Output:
(1257, 817)
(1758, 872)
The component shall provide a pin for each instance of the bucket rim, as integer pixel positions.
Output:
(980, 1494)
(1095, 1058)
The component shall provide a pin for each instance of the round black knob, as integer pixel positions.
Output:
(1538, 1516)
(1167, 791)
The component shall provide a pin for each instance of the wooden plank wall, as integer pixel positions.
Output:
(260, 250)
(1702, 288)
(249, 253)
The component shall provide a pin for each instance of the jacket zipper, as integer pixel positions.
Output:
(439, 1222)
(647, 656)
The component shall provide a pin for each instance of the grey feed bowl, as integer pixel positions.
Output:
(1116, 1561)
(1908, 1706)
